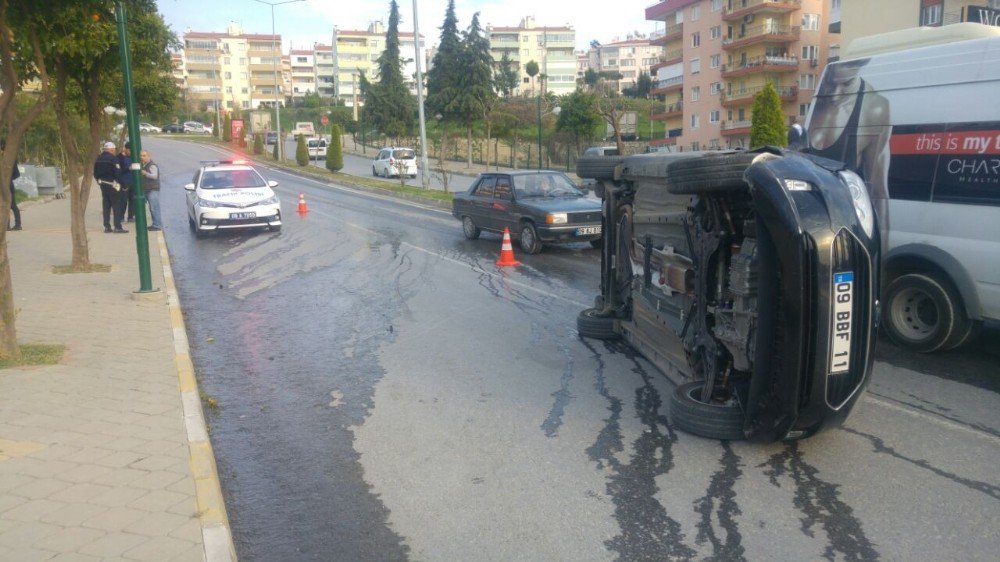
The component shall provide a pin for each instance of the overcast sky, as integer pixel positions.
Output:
(303, 23)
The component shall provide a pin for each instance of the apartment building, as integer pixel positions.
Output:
(860, 18)
(718, 54)
(323, 57)
(354, 52)
(302, 65)
(232, 69)
(629, 58)
(551, 47)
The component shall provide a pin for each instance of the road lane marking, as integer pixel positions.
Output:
(910, 411)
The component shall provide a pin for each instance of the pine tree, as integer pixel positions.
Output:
(301, 152)
(226, 128)
(768, 122)
(390, 104)
(443, 78)
(334, 152)
(506, 76)
(475, 80)
(258, 144)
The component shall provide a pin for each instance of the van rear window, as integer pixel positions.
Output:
(403, 154)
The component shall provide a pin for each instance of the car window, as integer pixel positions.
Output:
(403, 154)
(502, 190)
(544, 185)
(194, 180)
(228, 179)
(381, 155)
(485, 187)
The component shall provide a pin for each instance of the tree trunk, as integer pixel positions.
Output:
(468, 155)
(489, 133)
(513, 153)
(496, 153)
(441, 155)
(76, 164)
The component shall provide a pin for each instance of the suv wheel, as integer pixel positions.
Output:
(708, 174)
(713, 421)
(598, 167)
(590, 324)
(923, 313)
(529, 239)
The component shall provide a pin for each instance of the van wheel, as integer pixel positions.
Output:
(469, 228)
(713, 421)
(590, 324)
(708, 174)
(922, 313)
(598, 167)
(529, 239)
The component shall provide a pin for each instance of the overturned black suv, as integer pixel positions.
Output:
(749, 278)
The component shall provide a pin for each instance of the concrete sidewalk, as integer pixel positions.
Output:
(100, 457)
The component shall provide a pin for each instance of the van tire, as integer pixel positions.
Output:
(598, 167)
(590, 324)
(712, 421)
(708, 174)
(922, 312)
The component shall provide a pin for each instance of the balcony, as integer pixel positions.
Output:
(673, 110)
(760, 64)
(667, 59)
(766, 33)
(743, 8)
(734, 128)
(664, 86)
(745, 96)
(667, 35)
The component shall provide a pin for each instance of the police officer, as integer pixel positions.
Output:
(125, 180)
(106, 174)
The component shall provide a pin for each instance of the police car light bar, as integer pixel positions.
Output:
(219, 162)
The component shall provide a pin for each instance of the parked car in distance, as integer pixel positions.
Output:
(231, 194)
(316, 148)
(173, 128)
(149, 128)
(393, 161)
(196, 127)
(537, 206)
(601, 151)
(270, 137)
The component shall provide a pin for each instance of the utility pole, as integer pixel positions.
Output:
(424, 177)
(274, 64)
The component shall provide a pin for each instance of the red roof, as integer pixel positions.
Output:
(370, 34)
(526, 29)
(299, 52)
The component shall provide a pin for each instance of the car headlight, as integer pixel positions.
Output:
(862, 203)
(272, 200)
(556, 218)
(206, 203)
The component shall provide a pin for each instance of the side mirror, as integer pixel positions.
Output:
(189, 186)
(272, 183)
(796, 137)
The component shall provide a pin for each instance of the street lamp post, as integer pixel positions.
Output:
(274, 64)
(424, 174)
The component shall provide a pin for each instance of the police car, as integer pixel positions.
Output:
(231, 194)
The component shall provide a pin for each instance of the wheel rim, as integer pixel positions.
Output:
(527, 238)
(694, 393)
(470, 229)
(914, 314)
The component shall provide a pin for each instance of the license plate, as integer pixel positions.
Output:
(588, 230)
(249, 215)
(843, 312)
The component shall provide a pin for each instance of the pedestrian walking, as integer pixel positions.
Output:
(125, 180)
(106, 174)
(151, 187)
(14, 174)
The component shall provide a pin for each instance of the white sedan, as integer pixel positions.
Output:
(230, 195)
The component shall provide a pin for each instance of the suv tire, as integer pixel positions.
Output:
(590, 324)
(708, 174)
(598, 167)
(712, 421)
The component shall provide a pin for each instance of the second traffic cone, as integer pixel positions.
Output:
(303, 208)
(507, 251)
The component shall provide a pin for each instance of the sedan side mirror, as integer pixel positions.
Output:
(189, 186)
(272, 183)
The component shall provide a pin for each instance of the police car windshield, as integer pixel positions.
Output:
(229, 179)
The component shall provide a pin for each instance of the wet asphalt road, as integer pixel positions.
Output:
(385, 393)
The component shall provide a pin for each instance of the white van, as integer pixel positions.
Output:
(916, 113)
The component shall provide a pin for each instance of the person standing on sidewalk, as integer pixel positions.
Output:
(125, 180)
(106, 174)
(151, 187)
(14, 174)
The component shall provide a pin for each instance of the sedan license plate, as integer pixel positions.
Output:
(840, 333)
(250, 215)
(583, 231)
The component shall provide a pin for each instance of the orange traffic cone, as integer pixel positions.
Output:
(303, 208)
(507, 251)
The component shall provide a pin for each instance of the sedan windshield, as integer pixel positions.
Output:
(228, 179)
(544, 185)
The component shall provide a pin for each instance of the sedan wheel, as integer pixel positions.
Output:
(374, 172)
(470, 229)
(529, 239)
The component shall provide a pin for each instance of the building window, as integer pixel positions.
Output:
(695, 146)
(694, 120)
(225, 60)
(713, 116)
(715, 60)
(716, 5)
(301, 59)
(695, 93)
(245, 90)
(695, 12)
(810, 22)
(527, 80)
(696, 39)
(803, 109)
(716, 88)
(810, 52)
(243, 75)
(243, 61)
(931, 15)
(715, 32)
(229, 76)
(807, 81)
(695, 66)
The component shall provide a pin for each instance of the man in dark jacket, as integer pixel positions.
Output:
(125, 180)
(106, 174)
(14, 174)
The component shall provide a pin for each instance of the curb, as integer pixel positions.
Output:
(215, 530)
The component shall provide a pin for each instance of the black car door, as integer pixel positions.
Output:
(482, 202)
(503, 204)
